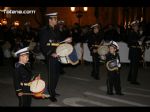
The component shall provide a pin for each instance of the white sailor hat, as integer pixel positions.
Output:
(95, 25)
(113, 43)
(61, 22)
(135, 22)
(22, 51)
(52, 14)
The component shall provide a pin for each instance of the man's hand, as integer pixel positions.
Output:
(103, 57)
(38, 77)
(94, 50)
(20, 93)
(69, 39)
(54, 55)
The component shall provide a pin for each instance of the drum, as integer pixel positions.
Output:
(67, 54)
(103, 50)
(112, 65)
(37, 87)
(32, 45)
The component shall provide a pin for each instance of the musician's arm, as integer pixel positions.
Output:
(119, 64)
(44, 39)
(17, 81)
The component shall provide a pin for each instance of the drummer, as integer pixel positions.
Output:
(50, 37)
(22, 77)
(94, 40)
(113, 77)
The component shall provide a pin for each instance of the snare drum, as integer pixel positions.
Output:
(37, 87)
(67, 54)
(103, 50)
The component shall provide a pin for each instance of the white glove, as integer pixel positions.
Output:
(140, 43)
(119, 65)
(117, 61)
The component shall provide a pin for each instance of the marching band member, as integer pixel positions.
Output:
(134, 52)
(94, 39)
(22, 77)
(113, 76)
(50, 36)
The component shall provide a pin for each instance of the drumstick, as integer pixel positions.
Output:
(37, 83)
(28, 94)
(42, 95)
(62, 41)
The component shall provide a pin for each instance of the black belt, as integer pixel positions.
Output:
(25, 84)
(53, 44)
(136, 47)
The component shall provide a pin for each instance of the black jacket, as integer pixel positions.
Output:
(94, 39)
(49, 35)
(23, 74)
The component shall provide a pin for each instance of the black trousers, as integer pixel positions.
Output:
(1, 56)
(133, 72)
(25, 100)
(95, 66)
(53, 75)
(113, 81)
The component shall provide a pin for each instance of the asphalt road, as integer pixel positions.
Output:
(79, 89)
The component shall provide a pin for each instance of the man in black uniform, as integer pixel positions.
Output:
(50, 37)
(94, 40)
(65, 32)
(113, 73)
(134, 52)
(22, 77)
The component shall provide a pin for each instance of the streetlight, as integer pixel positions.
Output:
(4, 22)
(79, 13)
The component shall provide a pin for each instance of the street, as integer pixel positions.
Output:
(78, 89)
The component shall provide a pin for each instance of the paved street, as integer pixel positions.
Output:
(78, 88)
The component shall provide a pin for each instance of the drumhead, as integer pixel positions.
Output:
(103, 50)
(64, 49)
(37, 86)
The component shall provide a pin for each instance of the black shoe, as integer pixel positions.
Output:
(92, 74)
(56, 94)
(97, 78)
(110, 93)
(53, 99)
(128, 79)
(135, 83)
(62, 72)
(119, 94)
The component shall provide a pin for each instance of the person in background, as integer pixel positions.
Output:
(49, 38)
(94, 40)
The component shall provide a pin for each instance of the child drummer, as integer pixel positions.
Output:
(23, 76)
(113, 75)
